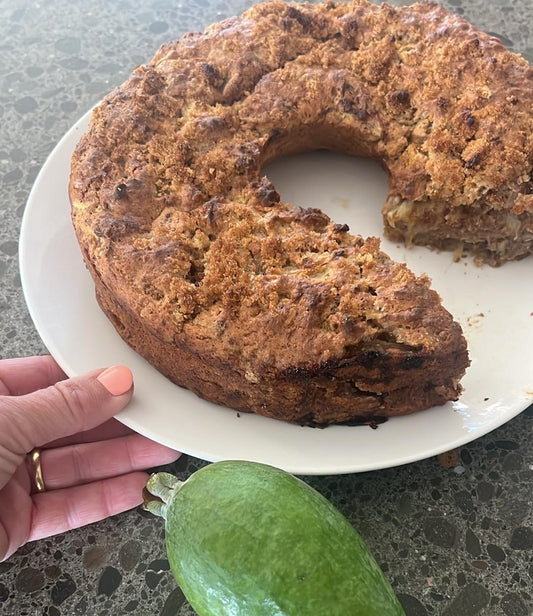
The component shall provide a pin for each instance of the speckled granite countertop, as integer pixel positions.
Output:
(454, 537)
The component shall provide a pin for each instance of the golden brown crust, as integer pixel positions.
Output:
(261, 306)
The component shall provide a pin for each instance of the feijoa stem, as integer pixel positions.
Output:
(162, 486)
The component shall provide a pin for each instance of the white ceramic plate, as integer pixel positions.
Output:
(494, 306)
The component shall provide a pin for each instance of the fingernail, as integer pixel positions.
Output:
(117, 380)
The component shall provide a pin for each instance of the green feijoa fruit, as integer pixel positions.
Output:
(247, 539)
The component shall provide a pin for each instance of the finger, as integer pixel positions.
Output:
(70, 406)
(63, 510)
(109, 429)
(15, 513)
(21, 376)
(86, 462)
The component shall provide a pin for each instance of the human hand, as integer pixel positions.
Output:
(91, 464)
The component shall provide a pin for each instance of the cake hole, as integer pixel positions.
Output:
(350, 190)
(117, 322)
(196, 272)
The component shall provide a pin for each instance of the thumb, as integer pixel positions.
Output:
(68, 407)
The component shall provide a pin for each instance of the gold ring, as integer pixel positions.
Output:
(36, 471)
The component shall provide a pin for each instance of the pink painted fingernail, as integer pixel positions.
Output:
(117, 380)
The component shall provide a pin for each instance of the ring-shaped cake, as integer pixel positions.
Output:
(261, 306)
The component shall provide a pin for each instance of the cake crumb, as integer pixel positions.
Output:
(448, 459)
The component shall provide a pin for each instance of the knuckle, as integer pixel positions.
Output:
(75, 400)
(13, 415)
(79, 465)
